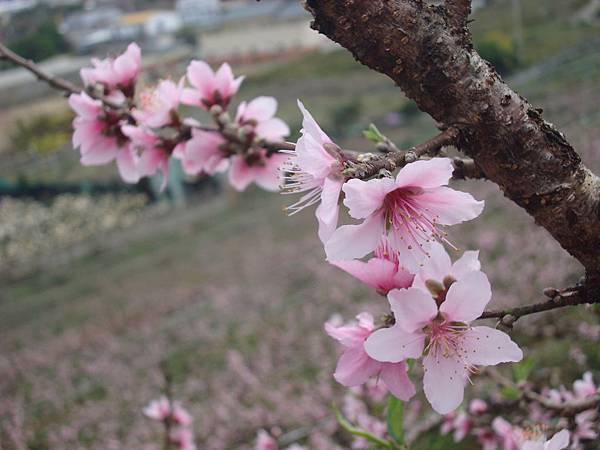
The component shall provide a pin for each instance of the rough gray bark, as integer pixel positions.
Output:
(430, 57)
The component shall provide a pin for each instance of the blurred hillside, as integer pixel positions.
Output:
(103, 282)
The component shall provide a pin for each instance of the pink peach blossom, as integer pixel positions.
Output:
(477, 406)
(453, 347)
(510, 435)
(409, 211)
(153, 157)
(264, 441)
(119, 73)
(157, 105)
(210, 88)
(383, 272)
(585, 428)
(355, 366)
(99, 138)
(315, 170)
(183, 439)
(256, 167)
(558, 442)
(585, 387)
(203, 153)
(158, 410)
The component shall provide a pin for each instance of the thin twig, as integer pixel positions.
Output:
(566, 409)
(567, 297)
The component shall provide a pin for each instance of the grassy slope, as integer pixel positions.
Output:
(81, 346)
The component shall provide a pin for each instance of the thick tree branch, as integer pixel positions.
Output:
(458, 14)
(413, 43)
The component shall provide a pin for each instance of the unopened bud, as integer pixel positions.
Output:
(382, 147)
(551, 292)
(215, 110)
(410, 157)
(506, 323)
(224, 117)
(435, 287)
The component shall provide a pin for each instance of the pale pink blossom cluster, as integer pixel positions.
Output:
(499, 434)
(141, 131)
(176, 420)
(264, 441)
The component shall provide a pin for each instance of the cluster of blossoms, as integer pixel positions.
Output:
(142, 131)
(493, 432)
(433, 301)
(396, 245)
(177, 422)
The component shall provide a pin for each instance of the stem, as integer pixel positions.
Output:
(567, 297)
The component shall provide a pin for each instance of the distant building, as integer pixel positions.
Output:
(144, 24)
(198, 12)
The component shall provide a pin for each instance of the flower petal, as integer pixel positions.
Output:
(354, 241)
(394, 344)
(413, 308)
(355, 367)
(260, 109)
(467, 263)
(443, 381)
(426, 173)
(381, 274)
(448, 205)
(485, 346)
(328, 210)
(363, 198)
(240, 174)
(396, 379)
(466, 299)
(559, 441)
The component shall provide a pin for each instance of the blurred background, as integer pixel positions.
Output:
(105, 285)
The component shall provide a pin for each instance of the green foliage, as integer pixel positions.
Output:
(395, 419)
(42, 44)
(373, 134)
(522, 370)
(346, 425)
(344, 117)
(41, 134)
(499, 49)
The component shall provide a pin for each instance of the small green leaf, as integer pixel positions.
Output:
(373, 134)
(346, 425)
(510, 393)
(395, 419)
(522, 370)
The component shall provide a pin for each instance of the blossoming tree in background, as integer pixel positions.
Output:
(402, 208)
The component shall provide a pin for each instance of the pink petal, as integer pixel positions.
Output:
(426, 173)
(363, 198)
(443, 381)
(413, 308)
(192, 97)
(312, 158)
(467, 298)
(450, 206)
(127, 164)
(240, 174)
(559, 441)
(328, 210)
(485, 346)
(468, 262)
(127, 65)
(355, 367)
(355, 241)
(348, 335)
(311, 127)
(224, 80)
(267, 175)
(260, 109)
(437, 266)
(380, 274)
(396, 380)
(100, 152)
(85, 106)
(394, 344)
(273, 129)
(202, 77)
